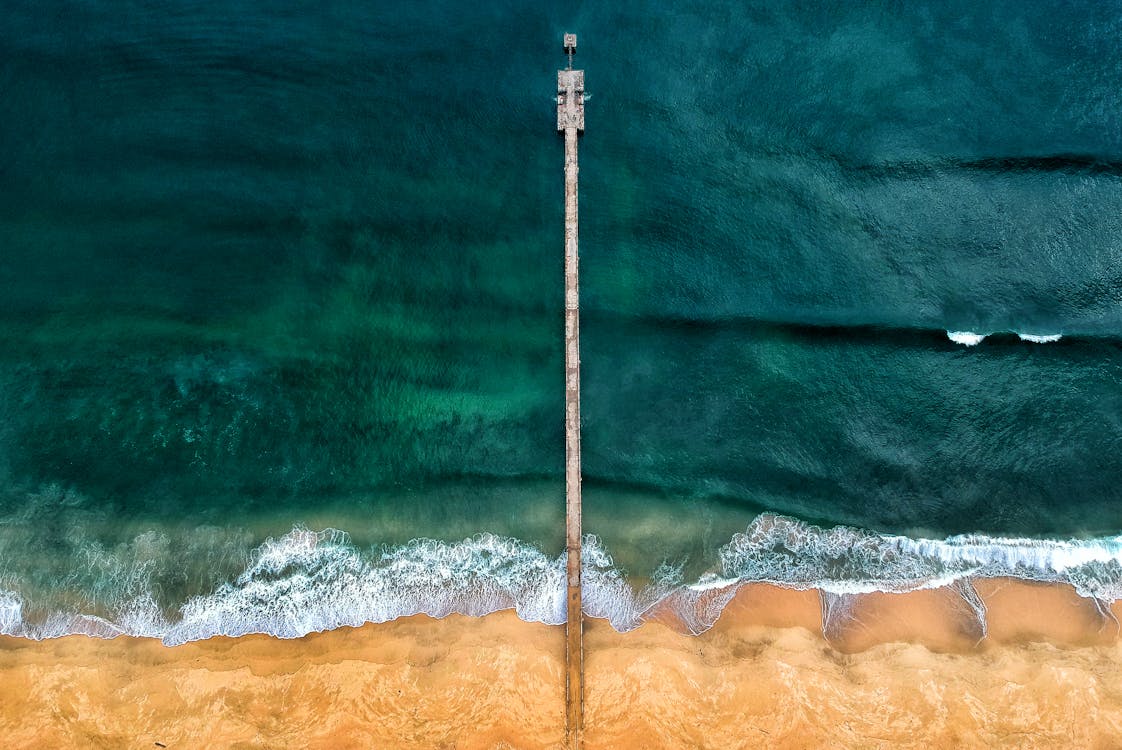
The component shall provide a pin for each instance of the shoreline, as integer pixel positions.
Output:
(900, 668)
(306, 581)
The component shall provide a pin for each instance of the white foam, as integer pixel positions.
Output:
(11, 613)
(966, 338)
(969, 338)
(308, 581)
(1040, 338)
(845, 560)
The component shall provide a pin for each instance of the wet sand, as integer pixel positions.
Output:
(901, 669)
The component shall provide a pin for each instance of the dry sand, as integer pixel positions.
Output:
(900, 670)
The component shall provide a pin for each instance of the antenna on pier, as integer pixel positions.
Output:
(570, 47)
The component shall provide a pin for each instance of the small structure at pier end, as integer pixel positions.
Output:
(570, 92)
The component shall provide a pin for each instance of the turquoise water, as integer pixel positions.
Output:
(275, 269)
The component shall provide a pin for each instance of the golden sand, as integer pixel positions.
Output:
(903, 670)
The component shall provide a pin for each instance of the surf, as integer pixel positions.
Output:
(312, 581)
(970, 338)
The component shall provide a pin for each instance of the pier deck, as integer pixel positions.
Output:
(570, 120)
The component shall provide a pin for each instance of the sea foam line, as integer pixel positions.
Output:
(307, 581)
(970, 338)
(1040, 338)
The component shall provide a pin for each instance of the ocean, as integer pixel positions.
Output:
(281, 307)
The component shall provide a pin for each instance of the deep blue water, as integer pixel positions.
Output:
(268, 264)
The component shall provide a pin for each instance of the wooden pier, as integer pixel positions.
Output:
(570, 121)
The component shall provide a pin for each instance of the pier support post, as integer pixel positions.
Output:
(570, 120)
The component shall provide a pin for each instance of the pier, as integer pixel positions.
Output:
(570, 121)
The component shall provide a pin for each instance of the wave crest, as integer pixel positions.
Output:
(966, 338)
(846, 560)
(1040, 338)
(969, 338)
(307, 581)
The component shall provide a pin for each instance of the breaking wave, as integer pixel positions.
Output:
(308, 581)
(969, 338)
(1040, 338)
(966, 338)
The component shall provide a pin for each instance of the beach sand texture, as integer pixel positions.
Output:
(903, 670)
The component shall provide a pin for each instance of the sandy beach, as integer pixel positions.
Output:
(905, 669)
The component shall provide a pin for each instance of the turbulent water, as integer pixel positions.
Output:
(850, 307)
